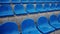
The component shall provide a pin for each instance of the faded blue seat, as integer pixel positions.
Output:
(53, 7)
(43, 25)
(24, 1)
(15, 1)
(54, 22)
(37, 0)
(4, 1)
(30, 8)
(50, 0)
(0, 29)
(45, 1)
(32, 1)
(59, 17)
(47, 7)
(39, 8)
(57, 0)
(10, 28)
(6, 10)
(58, 6)
(40, 1)
(19, 9)
(28, 27)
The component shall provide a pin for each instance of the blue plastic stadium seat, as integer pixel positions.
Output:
(24, 1)
(15, 1)
(59, 17)
(53, 7)
(39, 8)
(45, 0)
(28, 27)
(50, 0)
(30, 8)
(58, 6)
(31, 0)
(57, 0)
(47, 7)
(4, 1)
(40, 1)
(54, 22)
(10, 28)
(0, 29)
(43, 25)
(19, 9)
(6, 10)
(37, 0)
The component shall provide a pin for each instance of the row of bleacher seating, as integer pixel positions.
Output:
(27, 1)
(43, 26)
(19, 9)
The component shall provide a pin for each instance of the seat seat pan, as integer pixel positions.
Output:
(15, 1)
(32, 11)
(6, 11)
(46, 28)
(13, 32)
(56, 25)
(31, 31)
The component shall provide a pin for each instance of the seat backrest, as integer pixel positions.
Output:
(31, 0)
(38, 6)
(53, 18)
(46, 5)
(9, 27)
(53, 5)
(50, 0)
(58, 5)
(19, 7)
(37, 0)
(28, 23)
(15, 1)
(6, 8)
(59, 17)
(29, 6)
(4, 1)
(0, 26)
(42, 20)
(24, 0)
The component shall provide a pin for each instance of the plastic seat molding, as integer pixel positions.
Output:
(43, 25)
(59, 17)
(24, 1)
(40, 1)
(19, 10)
(32, 1)
(39, 8)
(9, 28)
(54, 22)
(28, 27)
(30, 9)
(57, 0)
(53, 7)
(45, 1)
(4, 1)
(50, 0)
(6, 10)
(58, 7)
(47, 7)
(0, 29)
(15, 1)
